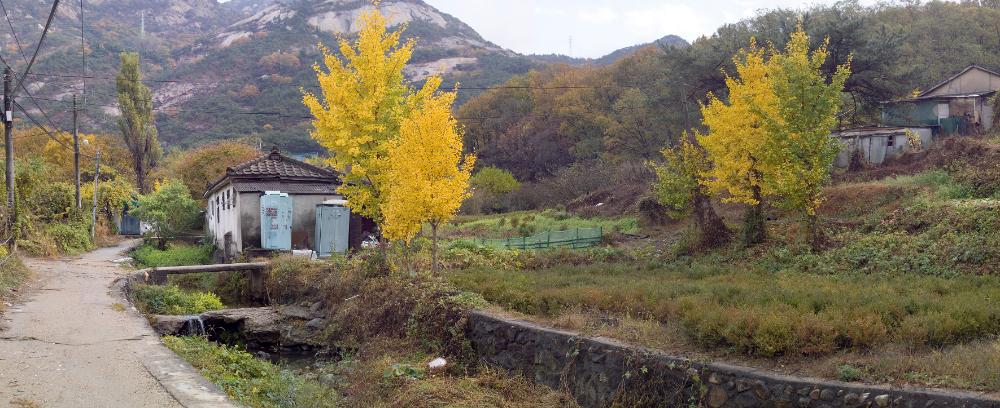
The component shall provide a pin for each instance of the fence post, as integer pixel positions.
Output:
(548, 239)
(576, 238)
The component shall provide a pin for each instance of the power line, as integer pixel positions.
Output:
(83, 56)
(41, 40)
(13, 32)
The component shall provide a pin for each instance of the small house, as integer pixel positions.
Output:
(873, 145)
(277, 203)
(957, 105)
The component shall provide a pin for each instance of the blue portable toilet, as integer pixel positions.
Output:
(333, 221)
(276, 221)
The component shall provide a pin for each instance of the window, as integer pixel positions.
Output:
(890, 141)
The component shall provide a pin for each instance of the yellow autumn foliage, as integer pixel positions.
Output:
(737, 139)
(364, 97)
(772, 137)
(428, 176)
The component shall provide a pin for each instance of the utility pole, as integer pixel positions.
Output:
(97, 179)
(8, 133)
(76, 155)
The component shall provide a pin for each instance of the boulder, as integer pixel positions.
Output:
(168, 325)
(260, 328)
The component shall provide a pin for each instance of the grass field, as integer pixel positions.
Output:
(906, 291)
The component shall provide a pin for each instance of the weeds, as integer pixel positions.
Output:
(251, 381)
(176, 254)
(171, 300)
(12, 274)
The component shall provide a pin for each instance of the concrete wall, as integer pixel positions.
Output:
(222, 216)
(303, 219)
(599, 372)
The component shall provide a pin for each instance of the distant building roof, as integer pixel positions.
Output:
(875, 131)
(952, 78)
(277, 172)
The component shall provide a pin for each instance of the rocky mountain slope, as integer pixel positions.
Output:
(235, 69)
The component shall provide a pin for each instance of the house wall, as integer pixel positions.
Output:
(303, 219)
(972, 81)
(222, 217)
(875, 149)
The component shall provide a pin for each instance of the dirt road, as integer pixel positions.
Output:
(72, 343)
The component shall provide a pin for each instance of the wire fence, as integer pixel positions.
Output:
(574, 238)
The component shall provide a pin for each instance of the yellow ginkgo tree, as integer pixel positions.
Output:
(363, 100)
(801, 151)
(771, 138)
(737, 141)
(428, 176)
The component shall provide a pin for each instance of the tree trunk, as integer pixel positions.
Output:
(754, 231)
(434, 248)
(712, 229)
(140, 175)
(817, 239)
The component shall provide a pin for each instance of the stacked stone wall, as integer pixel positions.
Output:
(601, 372)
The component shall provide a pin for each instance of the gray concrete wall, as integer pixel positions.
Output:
(600, 372)
(303, 219)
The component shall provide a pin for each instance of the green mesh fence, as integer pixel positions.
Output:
(574, 238)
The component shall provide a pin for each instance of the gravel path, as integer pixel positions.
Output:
(72, 343)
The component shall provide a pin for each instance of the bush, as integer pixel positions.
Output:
(149, 256)
(171, 300)
(251, 381)
(70, 236)
(169, 210)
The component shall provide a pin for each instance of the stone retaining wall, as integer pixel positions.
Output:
(600, 372)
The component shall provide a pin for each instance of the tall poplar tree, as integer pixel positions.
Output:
(137, 124)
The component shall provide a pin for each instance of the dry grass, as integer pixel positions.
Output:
(970, 366)
(489, 388)
(24, 403)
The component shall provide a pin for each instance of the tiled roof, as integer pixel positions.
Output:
(284, 187)
(278, 170)
(278, 165)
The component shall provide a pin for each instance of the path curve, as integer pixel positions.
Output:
(69, 343)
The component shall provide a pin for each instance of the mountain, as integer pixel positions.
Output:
(668, 41)
(234, 69)
(613, 57)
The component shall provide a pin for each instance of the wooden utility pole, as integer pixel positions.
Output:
(8, 133)
(76, 156)
(97, 179)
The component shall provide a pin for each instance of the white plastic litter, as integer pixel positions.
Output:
(437, 363)
(122, 260)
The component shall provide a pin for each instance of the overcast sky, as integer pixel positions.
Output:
(599, 27)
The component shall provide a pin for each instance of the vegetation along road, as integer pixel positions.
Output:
(71, 343)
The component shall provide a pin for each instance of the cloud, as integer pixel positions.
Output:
(658, 21)
(602, 15)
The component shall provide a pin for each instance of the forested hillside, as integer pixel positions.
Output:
(229, 70)
(546, 122)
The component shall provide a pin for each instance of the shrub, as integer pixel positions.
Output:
(171, 300)
(848, 373)
(170, 210)
(251, 381)
(71, 236)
